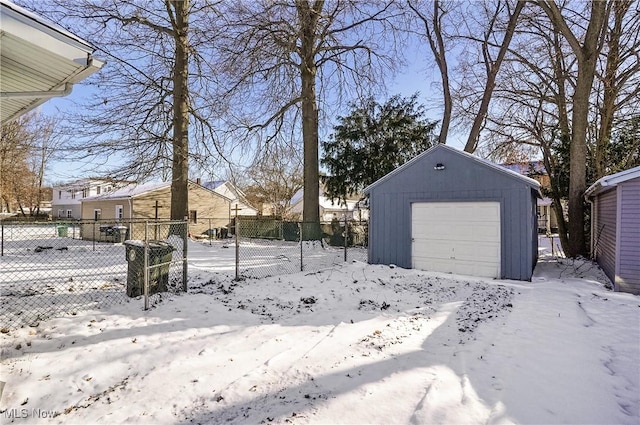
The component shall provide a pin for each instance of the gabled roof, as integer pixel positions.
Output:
(218, 186)
(213, 185)
(89, 181)
(611, 181)
(133, 190)
(129, 191)
(525, 168)
(38, 60)
(529, 181)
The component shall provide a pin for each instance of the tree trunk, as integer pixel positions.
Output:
(180, 173)
(578, 152)
(586, 55)
(311, 201)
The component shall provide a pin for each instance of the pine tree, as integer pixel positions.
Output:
(372, 141)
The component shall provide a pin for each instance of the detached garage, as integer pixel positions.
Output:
(452, 212)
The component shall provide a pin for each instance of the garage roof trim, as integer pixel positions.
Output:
(531, 182)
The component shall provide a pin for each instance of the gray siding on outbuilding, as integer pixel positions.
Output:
(615, 228)
(605, 228)
(464, 179)
(628, 276)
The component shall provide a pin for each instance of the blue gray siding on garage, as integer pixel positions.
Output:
(628, 259)
(463, 179)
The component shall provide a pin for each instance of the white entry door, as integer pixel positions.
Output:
(456, 237)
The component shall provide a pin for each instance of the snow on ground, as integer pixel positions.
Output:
(353, 343)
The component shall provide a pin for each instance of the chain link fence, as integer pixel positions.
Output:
(267, 247)
(57, 268)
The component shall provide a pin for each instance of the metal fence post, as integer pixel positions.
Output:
(346, 236)
(2, 239)
(209, 232)
(237, 231)
(146, 265)
(301, 225)
(94, 236)
(185, 266)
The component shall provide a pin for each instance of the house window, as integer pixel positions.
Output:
(193, 216)
(97, 214)
(73, 195)
(108, 188)
(60, 213)
(69, 214)
(84, 193)
(119, 212)
(98, 190)
(59, 194)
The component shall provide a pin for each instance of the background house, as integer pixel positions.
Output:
(228, 190)
(67, 198)
(448, 211)
(152, 201)
(547, 221)
(329, 208)
(615, 228)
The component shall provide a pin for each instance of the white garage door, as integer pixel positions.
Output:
(456, 237)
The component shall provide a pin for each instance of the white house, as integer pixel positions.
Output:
(67, 198)
(353, 209)
(238, 198)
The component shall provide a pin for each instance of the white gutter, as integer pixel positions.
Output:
(68, 87)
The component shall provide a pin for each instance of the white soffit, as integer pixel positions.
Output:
(39, 60)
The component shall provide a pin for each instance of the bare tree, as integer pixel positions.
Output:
(619, 85)
(26, 147)
(434, 33)
(275, 177)
(533, 100)
(287, 58)
(487, 28)
(156, 85)
(586, 53)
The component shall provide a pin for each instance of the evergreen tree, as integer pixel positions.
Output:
(372, 141)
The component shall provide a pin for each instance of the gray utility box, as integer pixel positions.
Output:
(160, 256)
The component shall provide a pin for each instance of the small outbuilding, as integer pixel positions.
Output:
(448, 211)
(615, 228)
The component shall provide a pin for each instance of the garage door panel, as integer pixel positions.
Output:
(457, 231)
(443, 211)
(457, 237)
(480, 251)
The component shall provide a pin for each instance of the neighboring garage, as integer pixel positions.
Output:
(452, 212)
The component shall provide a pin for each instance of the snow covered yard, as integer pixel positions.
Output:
(350, 344)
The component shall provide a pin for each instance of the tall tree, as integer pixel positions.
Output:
(288, 58)
(586, 53)
(372, 141)
(155, 86)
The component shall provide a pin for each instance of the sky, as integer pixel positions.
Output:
(420, 75)
(351, 343)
